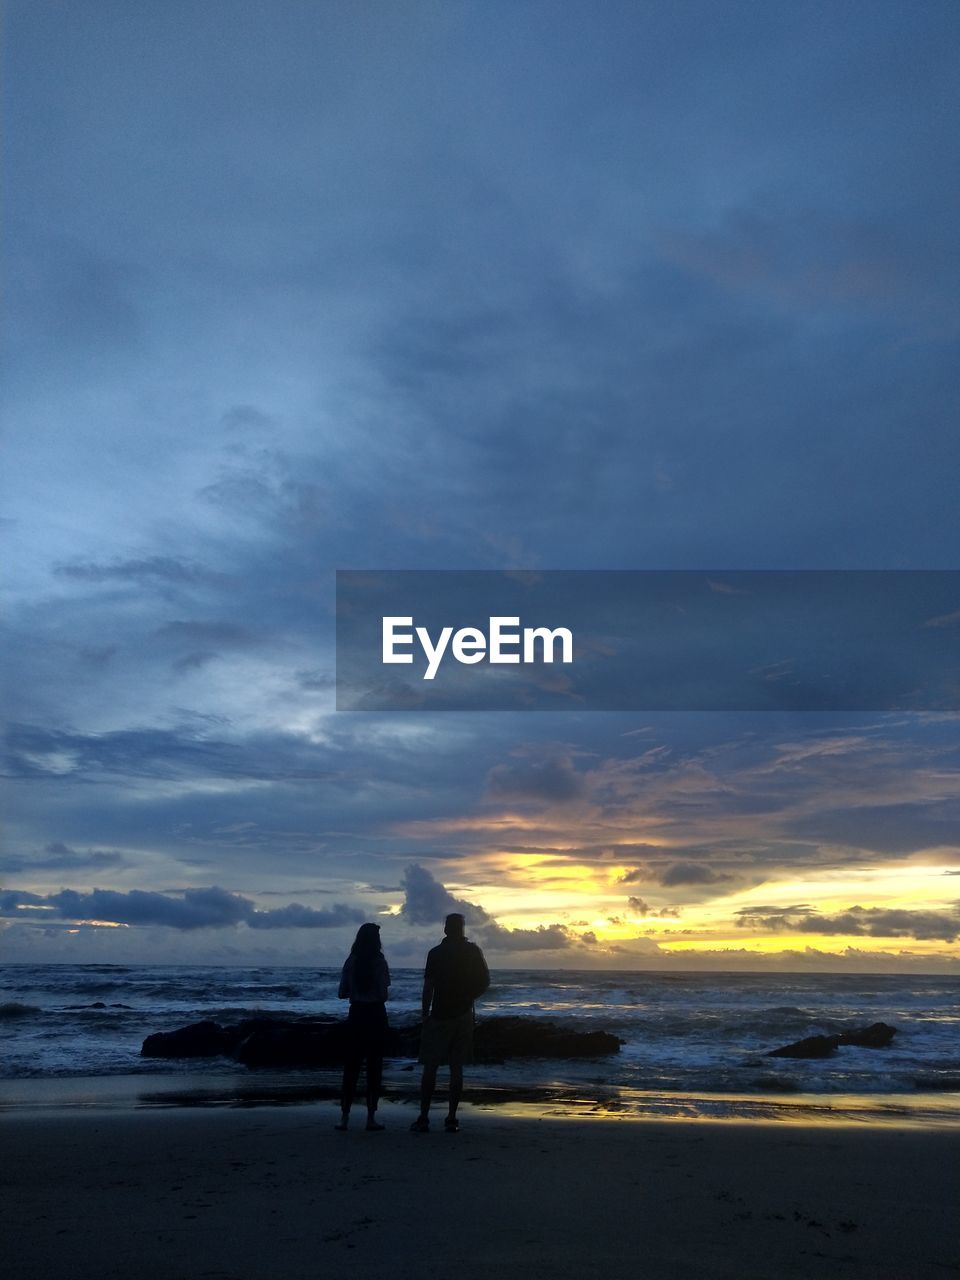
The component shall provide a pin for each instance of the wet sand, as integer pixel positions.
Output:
(255, 1193)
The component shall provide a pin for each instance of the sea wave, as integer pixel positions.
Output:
(13, 1009)
(706, 1032)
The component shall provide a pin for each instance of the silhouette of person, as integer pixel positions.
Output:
(364, 982)
(455, 974)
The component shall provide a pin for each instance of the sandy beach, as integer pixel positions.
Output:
(247, 1194)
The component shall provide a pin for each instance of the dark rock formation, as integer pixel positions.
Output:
(811, 1047)
(293, 1044)
(513, 1037)
(313, 1042)
(199, 1040)
(876, 1036)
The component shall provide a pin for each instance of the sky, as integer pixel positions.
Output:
(301, 286)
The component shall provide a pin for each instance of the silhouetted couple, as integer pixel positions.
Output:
(455, 975)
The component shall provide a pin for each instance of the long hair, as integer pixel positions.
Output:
(365, 950)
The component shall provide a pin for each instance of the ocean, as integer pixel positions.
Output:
(686, 1036)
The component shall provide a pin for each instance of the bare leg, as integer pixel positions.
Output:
(374, 1079)
(351, 1073)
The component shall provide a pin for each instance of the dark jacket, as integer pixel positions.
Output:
(458, 973)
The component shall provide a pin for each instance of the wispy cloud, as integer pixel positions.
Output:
(139, 571)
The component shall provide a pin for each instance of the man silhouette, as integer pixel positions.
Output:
(455, 974)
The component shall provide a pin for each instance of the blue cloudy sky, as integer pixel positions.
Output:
(301, 285)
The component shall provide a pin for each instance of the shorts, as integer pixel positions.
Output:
(447, 1041)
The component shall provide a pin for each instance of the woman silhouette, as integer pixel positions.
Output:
(364, 982)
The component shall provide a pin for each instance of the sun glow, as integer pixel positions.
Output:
(530, 891)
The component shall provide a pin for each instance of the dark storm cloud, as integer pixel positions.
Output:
(426, 901)
(606, 347)
(212, 908)
(662, 286)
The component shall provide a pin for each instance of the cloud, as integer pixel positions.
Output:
(212, 908)
(945, 620)
(640, 907)
(674, 874)
(140, 572)
(225, 633)
(873, 922)
(195, 660)
(798, 258)
(636, 875)
(297, 916)
(689, 873)
(886, 828)
(426, 901)
(532, 354)
(546, 937)
(318, 681)
(157, 753)
(553, 780)
(60, 857)
(246, 417)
